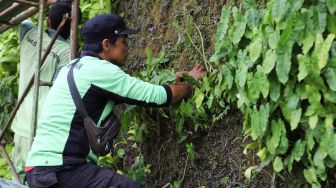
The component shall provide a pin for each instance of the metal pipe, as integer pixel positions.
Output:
(37, 70)
(11, 166)
(30, 83)
(74, 29)
(27, 2)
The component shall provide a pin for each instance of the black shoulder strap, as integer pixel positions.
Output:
(74, 92)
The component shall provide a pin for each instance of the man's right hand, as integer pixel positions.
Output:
(197, 72)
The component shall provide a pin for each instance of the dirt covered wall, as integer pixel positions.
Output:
(220, 161)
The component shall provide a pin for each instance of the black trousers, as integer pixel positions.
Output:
(79, 176)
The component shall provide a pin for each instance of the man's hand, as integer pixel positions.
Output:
(197, 72)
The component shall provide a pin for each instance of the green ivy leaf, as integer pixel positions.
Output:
(273, 141)
(269, 61)
(199, 98)
(241, 74)
(310, 175)
(253, 18)
(283, 145)
(275, 90)
(279, 9)
(239, 26)
(323, 54)
(221, 33)
(228, 78)
(313, 121)
(298, 150)
(295, 118)
(277, 164)
(273, 38)
(332, 147)
(248, 172)
(191, 151)
(255, 49)
(331, 26)
(330, 75)
(303, 62)
(319, 18)
(262, 154)
(331, 4)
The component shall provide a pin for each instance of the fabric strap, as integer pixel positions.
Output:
(74, 92)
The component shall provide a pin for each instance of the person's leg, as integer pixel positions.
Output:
(121, 181)
(20, 154)
(42, 177)
(89, 175)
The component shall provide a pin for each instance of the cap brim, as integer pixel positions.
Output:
(128, 32)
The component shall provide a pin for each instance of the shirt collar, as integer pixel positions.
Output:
(90, 53)
(51, 32)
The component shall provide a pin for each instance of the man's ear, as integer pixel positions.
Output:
(106, 44)
(48, 22)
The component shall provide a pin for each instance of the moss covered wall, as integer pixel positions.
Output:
(220, 161)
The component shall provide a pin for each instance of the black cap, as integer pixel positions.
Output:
(104, 26)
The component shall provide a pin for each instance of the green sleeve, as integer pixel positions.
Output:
(123, 88)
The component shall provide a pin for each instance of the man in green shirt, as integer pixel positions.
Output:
(61, 146)
(58, 57)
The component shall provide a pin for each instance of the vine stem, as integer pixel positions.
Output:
(185, 168)
(198, 49)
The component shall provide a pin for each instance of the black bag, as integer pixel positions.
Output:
(100, 138)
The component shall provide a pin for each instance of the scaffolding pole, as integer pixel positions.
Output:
(10, 163)
(74, 29)
(37, 70)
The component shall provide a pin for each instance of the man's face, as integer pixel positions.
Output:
(118, 52)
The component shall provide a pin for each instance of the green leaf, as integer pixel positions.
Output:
(303, 62)
(277, 164)
(275, 90)
(283, 145)
(259, 121)
(313, 121)
(253, 18)
(295, 118)
(284, 50)
(331, 26)
(191, 80)
(323, 54)
(331, 4)
(269, 61)
(310, 175)
(273, 141)
(239, 26)
(199, 98)
(120, 152)
(255, 49)
(241, 74)
(248, 172)
(319, 157)
(221, 33)
(307, 42)
(273, 39)
(262, 154)
(253, 90)
(319, 19)
(309, 140)
(298, 150)
(279, 9)
(332, 147)
(228, 78)
(330, 75)
(191, 151)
